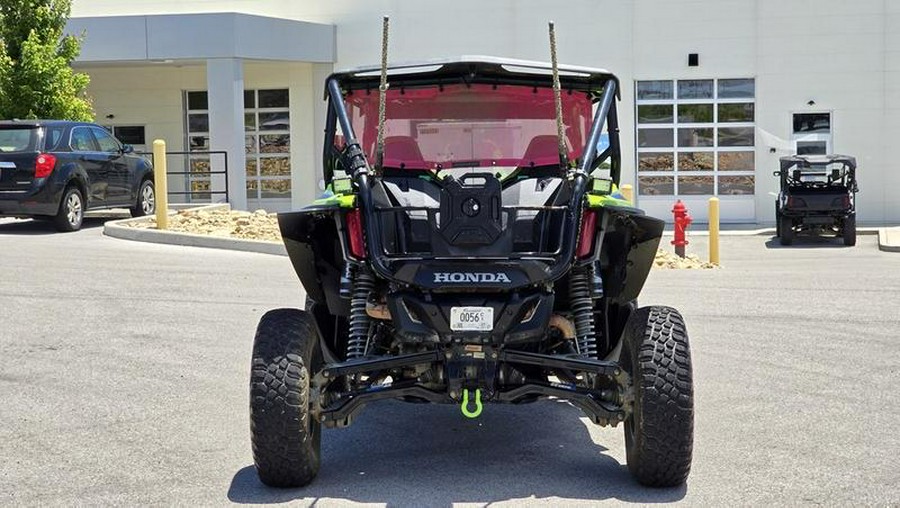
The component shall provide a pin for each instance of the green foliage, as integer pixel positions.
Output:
(36, 77)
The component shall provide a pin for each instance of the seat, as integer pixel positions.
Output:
(542, 150)
(403, 152)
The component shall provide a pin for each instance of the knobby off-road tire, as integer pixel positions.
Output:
(71, 210)
(659, 434)
(146, 200)
(787, 230)
(848, 230)
(286, 439)
(777, 220)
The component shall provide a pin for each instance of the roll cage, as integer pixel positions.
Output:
(600, 85)
(806, 170)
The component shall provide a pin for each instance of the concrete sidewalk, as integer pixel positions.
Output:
(889, 239)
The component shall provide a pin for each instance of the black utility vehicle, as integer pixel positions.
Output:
(478, 259)
(57, 170)
(818, 195)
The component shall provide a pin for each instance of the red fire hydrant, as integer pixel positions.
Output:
(682, 221)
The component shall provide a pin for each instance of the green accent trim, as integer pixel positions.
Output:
(465, 404)
(347, 200)
(340, 200)
(595, 201)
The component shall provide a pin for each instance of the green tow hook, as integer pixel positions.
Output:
(465, 404)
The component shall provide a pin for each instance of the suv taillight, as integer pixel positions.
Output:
(586, 238)
(355, 234)
(43, 165)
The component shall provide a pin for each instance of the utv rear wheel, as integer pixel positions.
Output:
(786, 230)
(71, 211)
(659, 434)
(848, 230)
(285, 436)
(777, 221)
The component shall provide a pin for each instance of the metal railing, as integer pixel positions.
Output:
(190, 161)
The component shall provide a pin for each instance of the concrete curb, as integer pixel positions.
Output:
(889, 239)
(119, 229)
(757, 232)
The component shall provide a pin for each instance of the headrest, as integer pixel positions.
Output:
(403, 150)
(542, 150)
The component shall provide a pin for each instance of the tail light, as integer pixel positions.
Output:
(842, 202)
(795, 202)
(586, 238)
(44, 165)
(355, 233)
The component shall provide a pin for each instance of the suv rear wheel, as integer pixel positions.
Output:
(71, 211)
(659, 433)
(146, 201)
(285, 436)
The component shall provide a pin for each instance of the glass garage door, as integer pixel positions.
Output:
(267, 125)
(696, 139)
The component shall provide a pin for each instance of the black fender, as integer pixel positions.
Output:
(627, 251)
(68, 173)
(312, 238)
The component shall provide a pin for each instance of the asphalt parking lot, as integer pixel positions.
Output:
(125, 366)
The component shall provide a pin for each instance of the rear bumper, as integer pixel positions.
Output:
(817, 218)
(605, 406)
(42, 199)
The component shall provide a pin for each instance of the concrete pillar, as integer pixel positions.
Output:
(225, 87)
(307, 84)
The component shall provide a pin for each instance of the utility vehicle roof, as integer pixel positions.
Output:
(477, 69)
(805, 161)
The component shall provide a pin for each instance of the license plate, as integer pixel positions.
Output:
(467, 319)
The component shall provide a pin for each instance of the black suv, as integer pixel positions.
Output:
(818, 195)
(57, 170)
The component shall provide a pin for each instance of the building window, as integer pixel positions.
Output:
(267, 121)
(695, 137)
(267, 142)
(812, 133)
(129, 135)
(196, 123)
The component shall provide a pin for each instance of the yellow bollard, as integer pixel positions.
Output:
(714, 231)
(628, 191)
(160, 184)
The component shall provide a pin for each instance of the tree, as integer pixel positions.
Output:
(36, 76)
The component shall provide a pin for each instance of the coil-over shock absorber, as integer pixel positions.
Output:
(363, 283)
(580, 283)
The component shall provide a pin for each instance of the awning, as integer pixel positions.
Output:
(163, 37)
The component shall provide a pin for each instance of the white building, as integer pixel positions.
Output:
(713, 91)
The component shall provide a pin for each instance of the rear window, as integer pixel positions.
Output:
(18, 139)
(52, 137)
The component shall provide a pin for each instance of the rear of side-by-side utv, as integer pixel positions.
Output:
(818, 195)
(471, 248)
